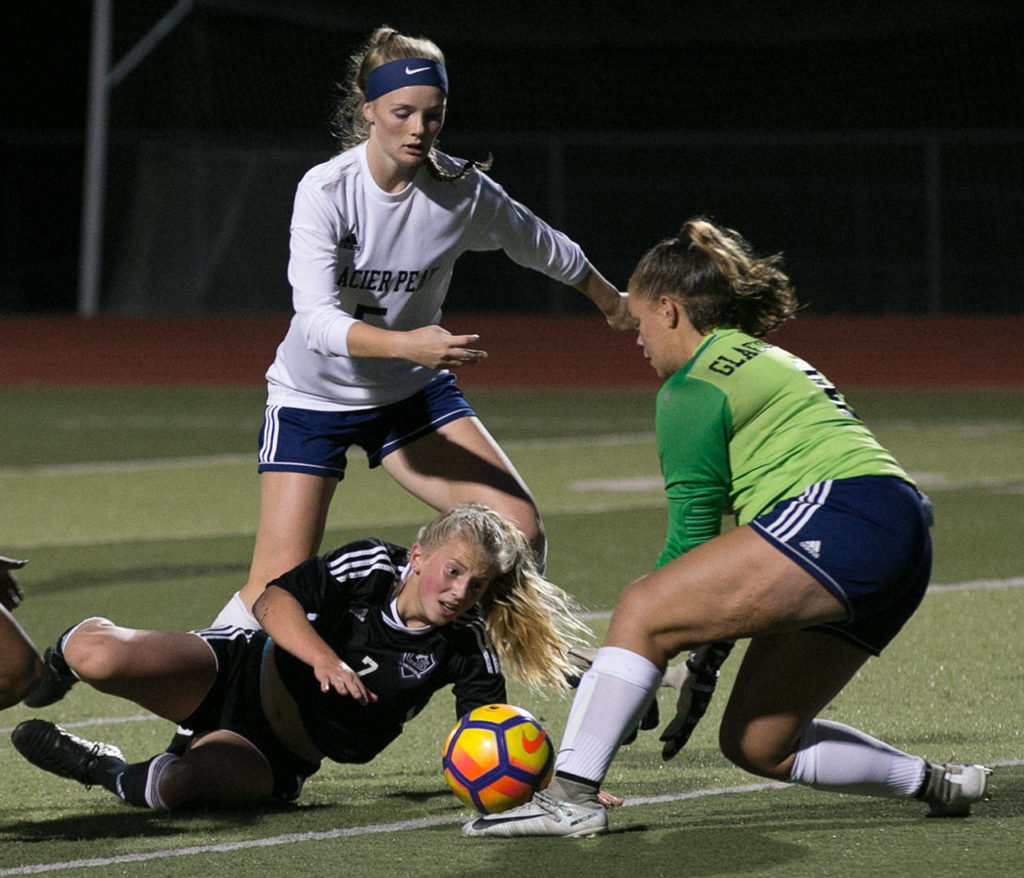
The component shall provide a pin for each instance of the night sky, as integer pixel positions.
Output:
(230, 74)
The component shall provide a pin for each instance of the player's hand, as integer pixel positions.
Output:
(10, 591)
(335, 674)
(618, 315)
(694, 680)
(436, 348)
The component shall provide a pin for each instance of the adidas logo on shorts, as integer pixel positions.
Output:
(812, 547)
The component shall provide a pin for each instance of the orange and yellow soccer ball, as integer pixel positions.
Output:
(496, 756)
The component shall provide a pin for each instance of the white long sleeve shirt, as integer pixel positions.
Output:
(360, 253)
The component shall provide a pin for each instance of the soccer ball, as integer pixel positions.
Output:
(496, 756)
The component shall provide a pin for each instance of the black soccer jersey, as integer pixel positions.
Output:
(348, 597)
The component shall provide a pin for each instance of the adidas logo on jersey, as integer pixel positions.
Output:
(812, 547)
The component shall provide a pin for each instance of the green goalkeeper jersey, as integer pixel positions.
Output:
(745, 424)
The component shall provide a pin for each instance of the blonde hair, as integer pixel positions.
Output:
(531, 622)
(713, 272)
(384, 45)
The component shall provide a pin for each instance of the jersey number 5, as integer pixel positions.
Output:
(363, 310)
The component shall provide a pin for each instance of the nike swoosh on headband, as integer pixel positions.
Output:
(417, 70)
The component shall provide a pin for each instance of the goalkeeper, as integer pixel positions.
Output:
(830, 557)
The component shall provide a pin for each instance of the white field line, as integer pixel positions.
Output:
(372, 829)
(158, 463)
(128, 466)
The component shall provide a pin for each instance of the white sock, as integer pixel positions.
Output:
(611, 698)
(156, 771)
(842, 759)
(236, 615)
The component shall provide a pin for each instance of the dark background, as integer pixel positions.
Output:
(815, 128)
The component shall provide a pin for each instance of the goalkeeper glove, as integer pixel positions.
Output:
(695, 681)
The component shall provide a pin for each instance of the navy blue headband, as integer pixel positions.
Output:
(403, 72)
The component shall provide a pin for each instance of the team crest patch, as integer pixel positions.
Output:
(414, 665)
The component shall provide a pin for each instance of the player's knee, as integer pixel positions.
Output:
(744, 749)
(94, 651)
(635, 624)
(634, 607)
(524, 515)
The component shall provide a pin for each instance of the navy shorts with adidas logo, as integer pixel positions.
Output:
(866, 540)
(316, 442)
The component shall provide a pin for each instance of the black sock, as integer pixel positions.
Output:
(57, 662)
(926, 781)
(130, 783)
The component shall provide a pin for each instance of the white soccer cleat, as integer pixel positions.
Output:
(952, 789)
(542, 815)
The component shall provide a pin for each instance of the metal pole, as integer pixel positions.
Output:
(933, 222)
(557, 211)
(91, 255)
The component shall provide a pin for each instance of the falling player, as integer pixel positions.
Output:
(354, 645)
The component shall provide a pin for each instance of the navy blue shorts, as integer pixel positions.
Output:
(306, 441)
(866, 540)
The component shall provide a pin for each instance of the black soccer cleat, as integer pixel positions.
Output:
(51, 748)
(57, 679)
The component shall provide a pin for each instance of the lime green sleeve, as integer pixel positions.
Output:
(692, 428)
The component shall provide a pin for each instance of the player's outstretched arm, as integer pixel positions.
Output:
(613, 303)
(284, 619)
(431, 346)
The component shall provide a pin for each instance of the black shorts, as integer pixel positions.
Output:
(235, 704)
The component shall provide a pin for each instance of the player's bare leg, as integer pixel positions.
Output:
(784, 682)
(168, 673)
(461, 462)
(771, 728)
(293, 515)
(733, 586)
(219, 769)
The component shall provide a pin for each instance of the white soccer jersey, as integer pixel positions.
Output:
(360, 253)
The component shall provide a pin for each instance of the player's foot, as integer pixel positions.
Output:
(542, 815)
(51, 748)
(181, 741)
(951, 789)
(57, 679)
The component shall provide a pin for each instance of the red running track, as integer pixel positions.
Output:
(524, 350)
